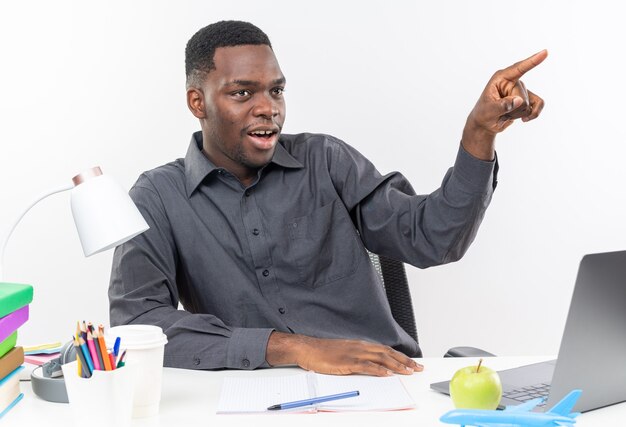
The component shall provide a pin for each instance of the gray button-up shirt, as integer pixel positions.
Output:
(286, 253)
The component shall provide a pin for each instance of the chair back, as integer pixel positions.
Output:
(396, 284)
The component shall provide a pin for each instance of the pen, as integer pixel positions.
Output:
(313, 401)
(116, 346)
(121, 362)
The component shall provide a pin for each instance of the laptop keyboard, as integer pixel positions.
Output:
(524, 394)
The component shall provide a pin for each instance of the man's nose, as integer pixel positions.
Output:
(266, 107)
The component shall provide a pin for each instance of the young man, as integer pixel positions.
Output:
(262, 236)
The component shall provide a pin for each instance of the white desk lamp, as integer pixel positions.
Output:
(105, 216)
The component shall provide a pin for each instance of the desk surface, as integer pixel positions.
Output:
(190, 398)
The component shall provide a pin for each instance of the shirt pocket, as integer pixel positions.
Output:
(323, 245)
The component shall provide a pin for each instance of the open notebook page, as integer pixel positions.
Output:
(376, 393)
(241, 395)
(256, 394)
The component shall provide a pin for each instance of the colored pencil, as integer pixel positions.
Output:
(86, 354)
(79, 364)
(103, 351)
(92, 351)
(78, 350)
(96, 346)
(85, 373)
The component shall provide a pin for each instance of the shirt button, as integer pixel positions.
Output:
(247, 193)
(266, 273)
(196, 361)
(282, 310)
(245, 363)
(256, 231)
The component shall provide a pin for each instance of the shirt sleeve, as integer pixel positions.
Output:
(422, 230)
(143, 290)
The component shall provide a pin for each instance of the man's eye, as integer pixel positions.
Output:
(242, 93)
(278, 91)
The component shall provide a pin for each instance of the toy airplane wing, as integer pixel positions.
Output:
(566, 404)
(524, 407)
(518, 416)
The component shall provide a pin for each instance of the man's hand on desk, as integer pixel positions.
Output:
(337, 357)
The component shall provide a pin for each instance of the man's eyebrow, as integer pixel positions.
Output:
(252, 83)
(238, 82)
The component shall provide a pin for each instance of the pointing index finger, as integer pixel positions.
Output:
(517, 70)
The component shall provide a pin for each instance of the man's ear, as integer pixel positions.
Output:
(195, 102)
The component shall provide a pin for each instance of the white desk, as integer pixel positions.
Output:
(190, 398)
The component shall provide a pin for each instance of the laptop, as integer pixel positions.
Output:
(592, 356)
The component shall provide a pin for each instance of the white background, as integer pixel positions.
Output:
(85, 84)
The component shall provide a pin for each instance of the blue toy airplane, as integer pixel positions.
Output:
(518, 416)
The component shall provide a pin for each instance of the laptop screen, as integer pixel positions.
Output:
(592, 356)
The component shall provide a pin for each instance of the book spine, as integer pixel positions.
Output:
(10, 322)
(14, 296)
(8, 408)
(8, 343)
(11, 361)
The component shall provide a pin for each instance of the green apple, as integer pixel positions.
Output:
(476, 387)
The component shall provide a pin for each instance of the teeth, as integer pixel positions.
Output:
(262, 132)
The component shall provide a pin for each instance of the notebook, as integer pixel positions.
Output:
(592, 355)
(8, 343)
(10, 391)
(256, 394)
(14, 296)
(12, 321)
(10, 361)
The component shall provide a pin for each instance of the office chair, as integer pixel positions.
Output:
(393, 275)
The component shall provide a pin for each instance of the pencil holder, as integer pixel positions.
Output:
(145, 345)
(103, 400)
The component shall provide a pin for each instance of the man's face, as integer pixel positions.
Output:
(244, 108)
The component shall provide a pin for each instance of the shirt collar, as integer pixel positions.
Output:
(282, 158)
(198, 166)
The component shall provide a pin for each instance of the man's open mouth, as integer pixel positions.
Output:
(262, 133)
(263, 139)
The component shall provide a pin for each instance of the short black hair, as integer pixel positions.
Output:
(201, 47)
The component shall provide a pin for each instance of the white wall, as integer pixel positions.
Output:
(84, 84)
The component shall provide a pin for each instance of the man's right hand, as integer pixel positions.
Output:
(503, 100)
(337, 356)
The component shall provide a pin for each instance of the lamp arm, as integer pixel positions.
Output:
(42, 196)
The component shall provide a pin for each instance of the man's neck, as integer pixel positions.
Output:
(244, 174)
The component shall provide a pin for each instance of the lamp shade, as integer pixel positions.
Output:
(104, 214)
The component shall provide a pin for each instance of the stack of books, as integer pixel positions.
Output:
(14, 300)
